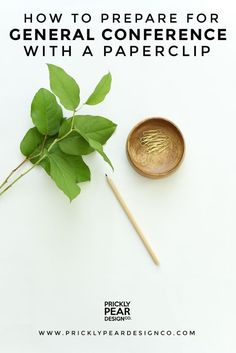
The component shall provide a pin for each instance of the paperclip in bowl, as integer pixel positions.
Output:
(161, 155)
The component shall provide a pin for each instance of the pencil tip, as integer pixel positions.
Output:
(105, 174)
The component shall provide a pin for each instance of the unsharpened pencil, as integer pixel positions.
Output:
(132, 220)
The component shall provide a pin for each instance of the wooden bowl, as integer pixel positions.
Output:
(155, 147)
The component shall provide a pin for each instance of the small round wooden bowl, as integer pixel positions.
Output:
(155, 147)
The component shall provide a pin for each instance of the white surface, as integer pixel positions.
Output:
(59, 261)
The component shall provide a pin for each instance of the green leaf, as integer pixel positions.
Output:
(80, 168)
(75, 145)
(46, 113)
(98, 147)
(97, 128)
(31, 141)
(64, 87)
(101, 90)
(45, 164)
(63, 175)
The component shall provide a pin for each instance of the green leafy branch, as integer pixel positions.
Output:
(56, 143)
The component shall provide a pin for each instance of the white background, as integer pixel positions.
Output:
(59, 261)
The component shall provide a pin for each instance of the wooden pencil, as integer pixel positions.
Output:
(132, 220)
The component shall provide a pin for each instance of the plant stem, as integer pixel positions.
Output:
(59, 139)
(40, 153)
(44, 141)
(28, 170)
(12, 172)
(73, 119)
(26, 159)
(21, 175)
(67, 134)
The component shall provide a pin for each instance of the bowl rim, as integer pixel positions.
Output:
(155, 175)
